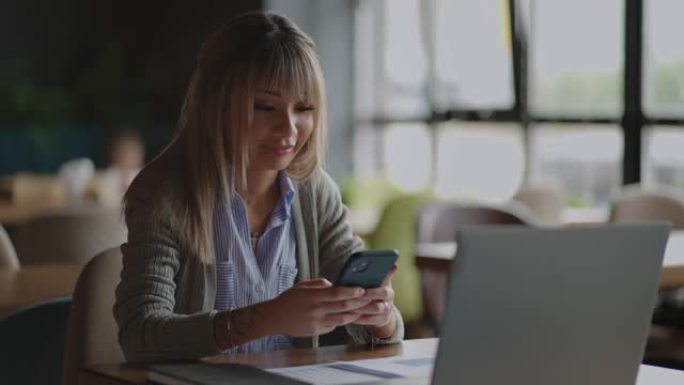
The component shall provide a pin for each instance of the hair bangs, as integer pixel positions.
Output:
(288, 68)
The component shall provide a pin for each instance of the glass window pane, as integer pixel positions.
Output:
(368, 149)
(408, 155)
(584, 160)
(664, 58)
(366, 42)
(485, 162)
(405, 63)
(577, 57)
(473, 55)
(663, 160)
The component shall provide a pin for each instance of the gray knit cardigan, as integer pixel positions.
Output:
(165, 300)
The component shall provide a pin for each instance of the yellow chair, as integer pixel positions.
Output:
(396, 230)
(368, 192)
(365, 198)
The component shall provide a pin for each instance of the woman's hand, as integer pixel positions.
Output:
(379, 314)
(315, 307)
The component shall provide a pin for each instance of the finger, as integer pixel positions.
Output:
(339, 319)
(315, 283)
(339, 293)
(385, 293)
(345, 306)
(388, 280)
(373, 320)
(375, 308)
(325, 329)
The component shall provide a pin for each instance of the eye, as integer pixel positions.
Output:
(305, 107)
(263, 107)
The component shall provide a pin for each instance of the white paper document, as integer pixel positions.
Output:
(355, 372)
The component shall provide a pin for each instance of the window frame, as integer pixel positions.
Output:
(632, 121)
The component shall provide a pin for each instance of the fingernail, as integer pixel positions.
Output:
(360, 292)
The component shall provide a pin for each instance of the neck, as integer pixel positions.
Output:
(260, 186)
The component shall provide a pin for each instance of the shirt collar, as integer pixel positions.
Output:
(287, 193)
(286, 190)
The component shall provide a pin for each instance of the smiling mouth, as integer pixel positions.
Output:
(281, 150)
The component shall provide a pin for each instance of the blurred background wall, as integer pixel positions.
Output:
(72, 71)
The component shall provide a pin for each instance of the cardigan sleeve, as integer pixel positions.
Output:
(149, 330)
(337, 243)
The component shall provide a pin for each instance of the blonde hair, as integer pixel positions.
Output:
(252, 51)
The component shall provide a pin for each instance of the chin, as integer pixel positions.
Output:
(267, 161)
(272, 165)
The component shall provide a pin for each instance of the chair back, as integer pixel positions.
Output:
(92, 333)
(32, 343)
(8, 256)
(440, 222)
(545, 203)
(70, 235)
(638, 205)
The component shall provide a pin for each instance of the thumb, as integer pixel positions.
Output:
(315, 283)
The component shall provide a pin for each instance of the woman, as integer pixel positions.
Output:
(228, 226)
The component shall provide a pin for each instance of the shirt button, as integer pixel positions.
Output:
(259, 288)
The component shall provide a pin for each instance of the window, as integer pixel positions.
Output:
(473, 73)
(663, 160)
(482, 161)
(366, 41)
(576, 57)
(404, 85)
(576, 101)
(416, 59)
(584, 160)
(663, 58)
(408, 155)
(443, 82)
(368, 151)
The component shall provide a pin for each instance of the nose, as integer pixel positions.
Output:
(287, 126)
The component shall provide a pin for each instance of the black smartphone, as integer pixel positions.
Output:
(367, 268)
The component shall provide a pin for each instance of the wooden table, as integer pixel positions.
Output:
(438, 256)
(17, 214)
(123, 374)
(118, 374)
(31, 284)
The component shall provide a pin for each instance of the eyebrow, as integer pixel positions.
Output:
(270, 92)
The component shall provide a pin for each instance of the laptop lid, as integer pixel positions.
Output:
(550, 306)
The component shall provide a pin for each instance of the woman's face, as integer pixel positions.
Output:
(281, 124)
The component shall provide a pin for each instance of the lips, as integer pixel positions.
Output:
(280, 149)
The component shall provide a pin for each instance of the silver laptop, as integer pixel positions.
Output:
(550, 306)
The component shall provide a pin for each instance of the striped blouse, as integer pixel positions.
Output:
(245, 277)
